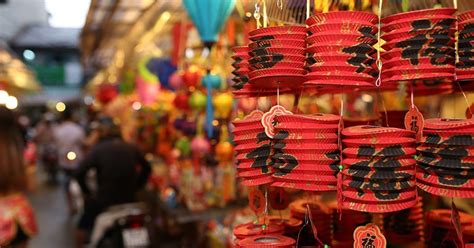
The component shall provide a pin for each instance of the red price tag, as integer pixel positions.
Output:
(369, 236)
(414, 121)
(256, 201)
(268, 120)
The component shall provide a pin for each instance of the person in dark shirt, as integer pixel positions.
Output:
(121, 171)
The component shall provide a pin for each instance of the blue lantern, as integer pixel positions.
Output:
(209, 16)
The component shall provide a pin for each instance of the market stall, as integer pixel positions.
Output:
(296, 123)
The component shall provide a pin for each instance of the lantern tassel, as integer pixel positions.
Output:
(209, 111)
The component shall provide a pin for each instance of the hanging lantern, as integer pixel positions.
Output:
(277, 62)
(209, 16)
(106, 93)
(465, 66)
(306, 152)
(253, 150)
(224, 151)
(447, 158)
(176, 80)
(378, 169)
(191, 77)
(197, 101)
(223, 103)
(181, 101)
(420, 45)
(340, 51)
(200, 145)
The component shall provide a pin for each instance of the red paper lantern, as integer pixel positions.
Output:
(106, 93)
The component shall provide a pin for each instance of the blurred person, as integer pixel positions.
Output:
(47, 148)
(17, 220)
(69, 138)
(121, 172)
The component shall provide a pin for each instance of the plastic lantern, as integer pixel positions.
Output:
(191, 77)
(106, 93)
(146, 83)
(181, 101)
(162, 68)
(224, 151)
(184, 147)
(223, 105)
(247, 104)
(176, 80)
(197, 101)
(200, 145)
(212, 80)
(147, 91)
(209, 16)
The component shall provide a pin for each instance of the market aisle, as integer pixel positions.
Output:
(55, 225)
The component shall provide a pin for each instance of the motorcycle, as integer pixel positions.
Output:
(126, 225)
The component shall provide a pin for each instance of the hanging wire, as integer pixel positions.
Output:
(378, 82)
(256, 15)
(465, 97)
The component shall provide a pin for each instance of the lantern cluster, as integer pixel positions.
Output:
(379, 169)
(340, 49)
(420, 45)
(465, 49)
(277, 57)
(446, 158)
(306, 152)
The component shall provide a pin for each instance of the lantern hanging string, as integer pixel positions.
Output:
(465, 97)
(455, 4)
(256, 15)
(278, 95)
(412, 101)
(302, 228)
(265, 16)
(378, 82)
(308, 8)
(280, 4)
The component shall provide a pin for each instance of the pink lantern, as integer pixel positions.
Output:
(176, 80)
(147, 91)
(200, 145)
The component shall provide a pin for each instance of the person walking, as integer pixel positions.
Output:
(17, 220)
(69, 138)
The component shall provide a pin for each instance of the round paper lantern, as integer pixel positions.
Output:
(191, 77)
(106, 93)
(147, 90)
(181, 101)
(200, 145)
(183, 146)
(223, 105)
(176, 80)
(197, 101)
(224, 151)
(213, 80)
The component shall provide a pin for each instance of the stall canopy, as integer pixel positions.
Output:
(14, 74)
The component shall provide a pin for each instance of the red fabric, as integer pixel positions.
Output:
(15, 211)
